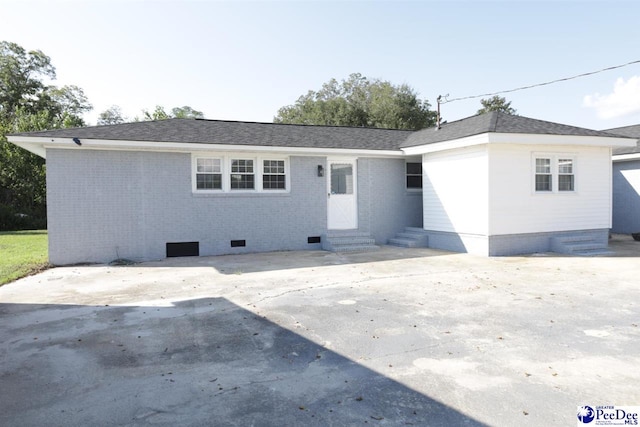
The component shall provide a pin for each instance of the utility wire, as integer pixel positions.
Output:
(445, 101)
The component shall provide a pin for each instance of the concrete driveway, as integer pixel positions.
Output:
(396, 337)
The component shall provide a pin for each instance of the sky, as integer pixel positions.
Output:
(244, 60)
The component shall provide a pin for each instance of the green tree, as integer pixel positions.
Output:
(358, 101)
(159, 113)
(111, 116)
(28, 104)
(186, 112)
(21, 75)
(496, 103)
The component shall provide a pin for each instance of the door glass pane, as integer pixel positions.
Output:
(341, 179)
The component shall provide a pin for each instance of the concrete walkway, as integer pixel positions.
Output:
(395, 337)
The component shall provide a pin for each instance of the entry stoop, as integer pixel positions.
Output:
(348, 241)
(579, 245)
(411, 237)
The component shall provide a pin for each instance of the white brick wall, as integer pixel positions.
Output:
(104, 205)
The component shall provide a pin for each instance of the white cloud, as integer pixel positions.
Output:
(624, 100)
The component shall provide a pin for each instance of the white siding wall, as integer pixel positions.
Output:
(516, 208)
(455, 191)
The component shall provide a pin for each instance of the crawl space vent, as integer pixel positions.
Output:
(183, 249)
(238, 243)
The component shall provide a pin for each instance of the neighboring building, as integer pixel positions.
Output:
(492, 184)
(626, 183)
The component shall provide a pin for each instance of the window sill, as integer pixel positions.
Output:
(238, 193)
(555, 193)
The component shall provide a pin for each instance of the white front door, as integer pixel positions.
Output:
(342, 195)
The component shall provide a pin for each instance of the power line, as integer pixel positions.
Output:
(445, 101)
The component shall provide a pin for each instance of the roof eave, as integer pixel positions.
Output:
(521, 139)
(625, 157)
(39, 145)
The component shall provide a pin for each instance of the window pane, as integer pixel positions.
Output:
(208, 181)
(273, 166)
(565, 166)
(341, 179)
(543, 182)
(565, 182)
(242, 166)
(543, 165)
(241, 182)
(200, 165)
(273, 182)
(414, 181)
(208, 165)
(205, 165)
(414, 168)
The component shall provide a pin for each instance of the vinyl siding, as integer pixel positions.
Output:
(455, 191)
(515, 207)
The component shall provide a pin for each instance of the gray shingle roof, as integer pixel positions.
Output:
(238, 133)
(496, 122)
(630, 132)
(308, 136)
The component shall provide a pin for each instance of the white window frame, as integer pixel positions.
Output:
(572, 174)
(194, 175)
(226, 161)
(252, 173)
(407, 174)
(284, 174)
(536, 174)
(555, 159)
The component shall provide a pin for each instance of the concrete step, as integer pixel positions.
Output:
(414, 230)
(348, 241)
(352, 241)
(402, 242)
(410, 237)
(355, 248)
(578, 245)
(585, 246)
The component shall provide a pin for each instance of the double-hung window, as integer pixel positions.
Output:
(273, 175)
(237, 173)
(566, 178)
(208, 174)
(242, 176)
(554, 173)
(543, 175)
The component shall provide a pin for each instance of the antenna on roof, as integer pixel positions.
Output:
(438, 116)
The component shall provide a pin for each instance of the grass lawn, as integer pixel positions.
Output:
(22, 253)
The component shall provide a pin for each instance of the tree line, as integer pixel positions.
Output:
(27, 104)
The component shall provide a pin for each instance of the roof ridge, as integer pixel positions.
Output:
(301, 124)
